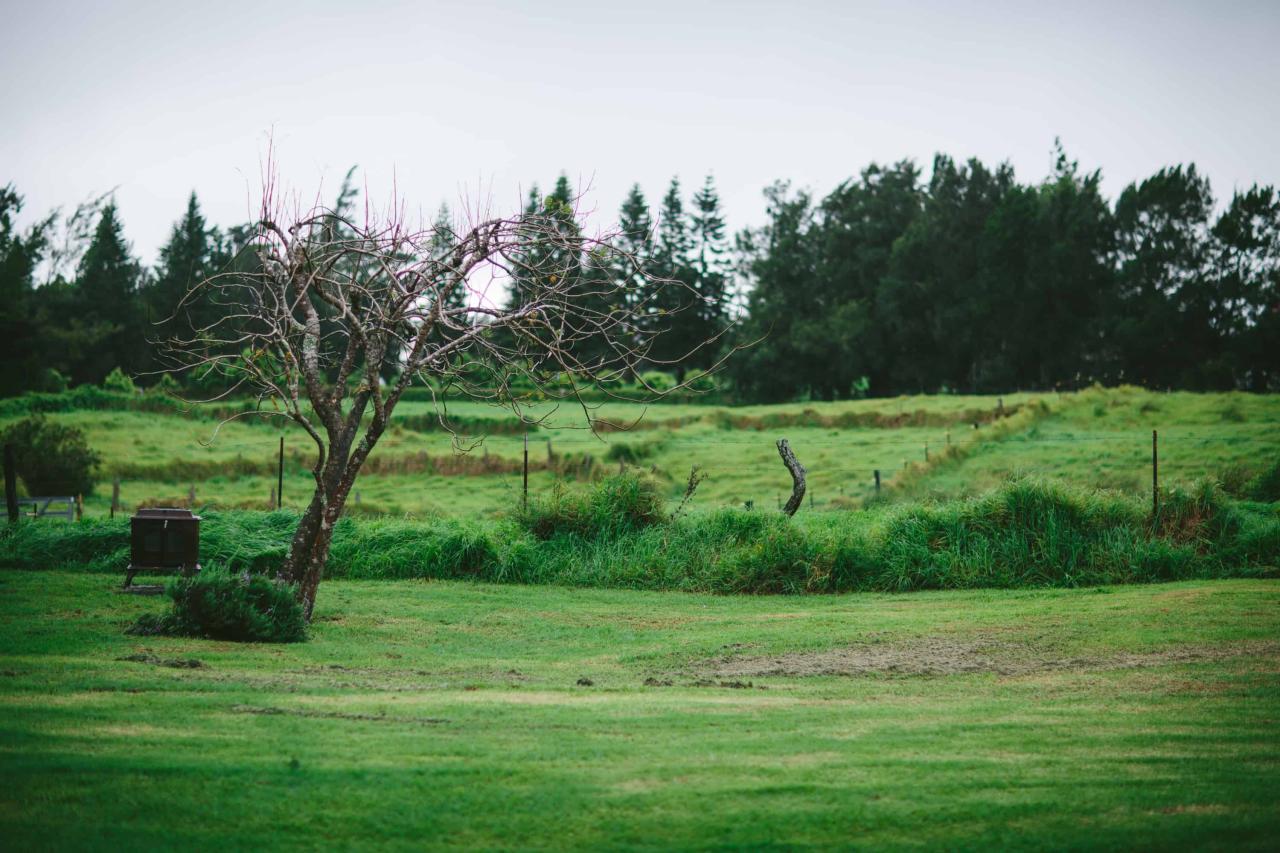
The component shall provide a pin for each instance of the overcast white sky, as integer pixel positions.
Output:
(482, 98)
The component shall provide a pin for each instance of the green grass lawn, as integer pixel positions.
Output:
(434, 714)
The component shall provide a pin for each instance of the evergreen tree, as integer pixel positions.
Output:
(931, 299)
(710, 281)
(781, 259)
(107, 291)
(547, 258)
(1161, 320)
(675, 317)
(193, 254)
(1246, 312)
(635, 239)
(22, 347)
(850, 318)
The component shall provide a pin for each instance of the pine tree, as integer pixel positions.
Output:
(21, 343)
(107, 291)
(190, 257)
(635, 239)
(443, 238)
(546, 259)
(675, 317)
(710, 281)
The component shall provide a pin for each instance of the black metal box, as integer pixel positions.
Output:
(163, 539)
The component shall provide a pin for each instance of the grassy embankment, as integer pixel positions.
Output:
(1093, 439)
(450, 714)
(1025, 534)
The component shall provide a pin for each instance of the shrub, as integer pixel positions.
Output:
(658, 380)
(633, 452)
(117, 380)
(222, 606)
(614, 505)
(51, 458)
(166, 384)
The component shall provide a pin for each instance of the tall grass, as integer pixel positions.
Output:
(1026, 533)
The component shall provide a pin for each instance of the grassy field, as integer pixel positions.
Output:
(1099, 438)
(449, 714)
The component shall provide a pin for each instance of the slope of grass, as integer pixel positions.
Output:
(447, 715)
(1099, 438)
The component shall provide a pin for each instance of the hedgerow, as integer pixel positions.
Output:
(1025, 534)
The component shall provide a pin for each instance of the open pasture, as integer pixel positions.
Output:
(445, 714)
(1098, 438)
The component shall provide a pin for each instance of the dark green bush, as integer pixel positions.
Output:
(51, 458)
(223, 606)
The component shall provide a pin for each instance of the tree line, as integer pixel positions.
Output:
(973, 281)
(892, 283)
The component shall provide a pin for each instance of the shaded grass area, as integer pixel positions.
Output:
(1027, 533)
(441, 714)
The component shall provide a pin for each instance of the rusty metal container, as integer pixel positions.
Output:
(163, 540)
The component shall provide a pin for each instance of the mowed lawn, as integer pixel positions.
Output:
(432, 714)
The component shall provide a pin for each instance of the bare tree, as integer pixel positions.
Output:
(330, 321)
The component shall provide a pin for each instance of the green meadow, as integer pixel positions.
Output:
(472, 716)
(924, 446)
(1005, 648)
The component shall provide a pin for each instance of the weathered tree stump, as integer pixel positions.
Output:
(797, 477)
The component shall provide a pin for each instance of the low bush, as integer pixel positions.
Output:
(51, 458)
(633, 452)
(617, 504)
(223, 606)
(118, 380)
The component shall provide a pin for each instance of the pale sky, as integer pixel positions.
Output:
(476, 100)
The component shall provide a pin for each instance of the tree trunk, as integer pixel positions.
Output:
(309, 551)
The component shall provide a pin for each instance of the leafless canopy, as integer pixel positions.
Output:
(328, 321)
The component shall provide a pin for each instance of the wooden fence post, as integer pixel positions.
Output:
(1155, 478)
(10, 483)
(877, 481)
(115, 496)
(280, 476)
(524, 502)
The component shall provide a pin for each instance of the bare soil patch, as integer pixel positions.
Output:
(946, 655)
(269, 711)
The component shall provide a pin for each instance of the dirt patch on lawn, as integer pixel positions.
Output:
(935, 656)
(269, 711)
